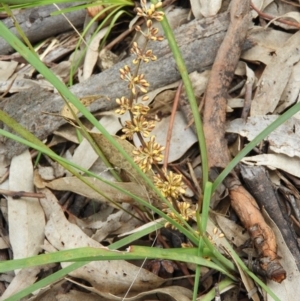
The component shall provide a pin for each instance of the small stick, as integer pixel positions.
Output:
(172, 119)
(20, 194)
(270, 18)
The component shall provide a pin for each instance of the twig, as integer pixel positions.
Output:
(270, 18)
(214, 115)
(20, 194)
(248, 99)
(171, 123)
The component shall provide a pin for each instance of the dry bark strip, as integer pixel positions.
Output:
(198, 40)
(221, 76)
(260, 185)
(262, 235)
(214, 127)
(37, 24)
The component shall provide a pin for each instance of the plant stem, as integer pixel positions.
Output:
(190, 94)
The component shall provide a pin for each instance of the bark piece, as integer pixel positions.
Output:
(197, 37)
(262, 235)
(256, 178)
(37, 24)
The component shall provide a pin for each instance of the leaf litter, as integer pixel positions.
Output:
(273, 60)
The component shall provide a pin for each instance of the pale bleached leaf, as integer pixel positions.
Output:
(109, 276)
(6, 70)
(177, 293)
(283, 140)
(115, 224)
(77, 186)
(218, 237)
(265, 41)
(260, 4)
(22, 83)
(291, 91)
(92, 54)
(205, 8)
(182, 138)
(22, 280)
(76, 295)
(282, 10)
(290, 165)
(25, 215)
(270, 87)
(233, 232)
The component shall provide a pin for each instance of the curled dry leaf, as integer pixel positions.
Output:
(92, 54)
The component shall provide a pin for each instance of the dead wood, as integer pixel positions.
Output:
(260, 185)
(262, 235)
(198, 41)
(214, 117)
(222, 73)
(37, 24)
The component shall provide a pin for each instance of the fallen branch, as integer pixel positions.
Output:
(197, 37)
(262, 235)
(214, 127)
(260, 185)
(38, 24)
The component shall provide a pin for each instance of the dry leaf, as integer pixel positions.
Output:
(6, 70)
(205, 8)
(283, 140)
(66, 111)
(26, 221)
(270, 87)
(22, 280)
(77, 186)
(26, 217)
(115, 158)
(266, 41)
(177, 293)
(290, 165)
(92, 54)
(289, 288)
(114, 277)
(182, 138)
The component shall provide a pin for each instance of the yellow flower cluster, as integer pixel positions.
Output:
(171, 187)
(134, 82)
(150, 152)
(150, 11)
(148, 155)
(185, 211)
